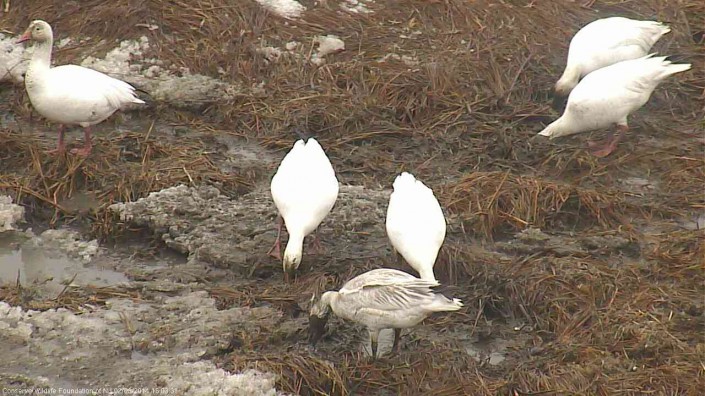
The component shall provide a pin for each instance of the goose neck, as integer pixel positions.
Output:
(41, 58)
(329, 299)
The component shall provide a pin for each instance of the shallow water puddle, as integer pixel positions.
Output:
(37, 265)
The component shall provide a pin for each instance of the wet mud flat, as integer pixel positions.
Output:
(145, 265)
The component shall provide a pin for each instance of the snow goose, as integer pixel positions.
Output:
(608, 95)
(604, 42)
(70, 94)
(380, 299)
(415, 224)
(304, 189)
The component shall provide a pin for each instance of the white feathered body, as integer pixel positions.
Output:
(415, 224)
(388, 298)
(304, 190)
(607, 96)
(605, 42)
(73, 94)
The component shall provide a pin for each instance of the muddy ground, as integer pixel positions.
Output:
(579, 275)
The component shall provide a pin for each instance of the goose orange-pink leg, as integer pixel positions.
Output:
(87, 146)
(612, 140)
(60, 147)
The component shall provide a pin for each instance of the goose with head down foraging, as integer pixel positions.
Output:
(304, 190)
(609, 95)
(605, 42)
(415, 224)
(70, 94)
(380, 299)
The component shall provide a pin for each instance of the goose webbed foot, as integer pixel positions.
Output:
(611, 144)
(84, 151)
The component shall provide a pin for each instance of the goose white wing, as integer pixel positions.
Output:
(382, 276)
(615, 32)
(80, 83)
(389, 290)
(415, 223)
(414, 216)
(290, 186)
(318, 159)
(610, 94)
(622, 87)
(602, 98)
(609, 40)
(292, 158)
(305, 188)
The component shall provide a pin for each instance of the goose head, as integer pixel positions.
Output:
(38, 31)
(291, 262)
(318, 317)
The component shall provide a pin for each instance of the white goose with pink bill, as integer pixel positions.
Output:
(70, 94)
